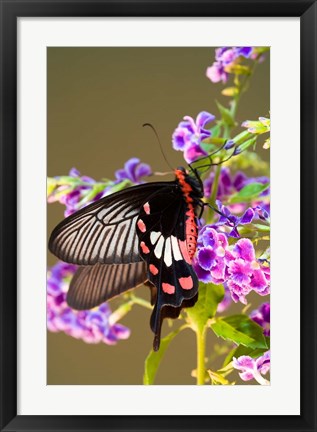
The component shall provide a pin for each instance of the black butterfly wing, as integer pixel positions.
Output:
(93, 285)
(162, 234)
(105, 231)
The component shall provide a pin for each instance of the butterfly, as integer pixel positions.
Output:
(143, 234)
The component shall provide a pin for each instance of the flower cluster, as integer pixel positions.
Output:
(91, 326)
(225, 58)
(76, 191)
(253, 368)
(189, 134)
(262, 317)
(236, 266)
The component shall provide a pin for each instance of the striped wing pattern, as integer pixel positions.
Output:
(105, 231)
(93, 285)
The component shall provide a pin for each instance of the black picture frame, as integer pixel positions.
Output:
(10, 11)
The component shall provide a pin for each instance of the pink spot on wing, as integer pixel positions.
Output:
(184, 251)
(141, 225)
(146, 208)
(186, 282)
(167, 288)
(153, 269)
(144, 248)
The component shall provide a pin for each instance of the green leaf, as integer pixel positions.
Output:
(153, 360)
(249, 192)
(216, 130)
(226, 115)
(209, 296)
(241, 330)
(243, 350)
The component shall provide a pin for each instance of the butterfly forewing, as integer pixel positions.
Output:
(105, 231)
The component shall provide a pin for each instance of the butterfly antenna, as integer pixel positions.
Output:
(160, 144)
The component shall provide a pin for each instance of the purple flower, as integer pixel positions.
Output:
(234, 266)
(189, 134)
(262, 317)
(245, 273)
(92, 326)
(226, 57)
(216, 73)
(133, 170)
(253, 368)
(209, 263)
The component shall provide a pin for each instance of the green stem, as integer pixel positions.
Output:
(141, 302)
(215, 185)
(201, 353)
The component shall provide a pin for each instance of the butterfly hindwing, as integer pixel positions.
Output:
(161, 231)
(105, 231)
(93, 285)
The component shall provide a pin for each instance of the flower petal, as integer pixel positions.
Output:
(206, 258)
(244, 249)
(247, 216)
(203, 118)
(193, 152)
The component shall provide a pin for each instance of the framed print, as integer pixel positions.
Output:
(137, 286)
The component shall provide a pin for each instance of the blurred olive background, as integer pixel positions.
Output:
(97, 100)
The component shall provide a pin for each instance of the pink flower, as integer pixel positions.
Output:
(234, 266)
(253, 368)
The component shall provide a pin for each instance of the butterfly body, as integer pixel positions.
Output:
(144, 233)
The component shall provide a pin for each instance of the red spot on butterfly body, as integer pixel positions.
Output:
(184, 251)
(191, 227)
(191, 231)
(167, 288)
(141, 225)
